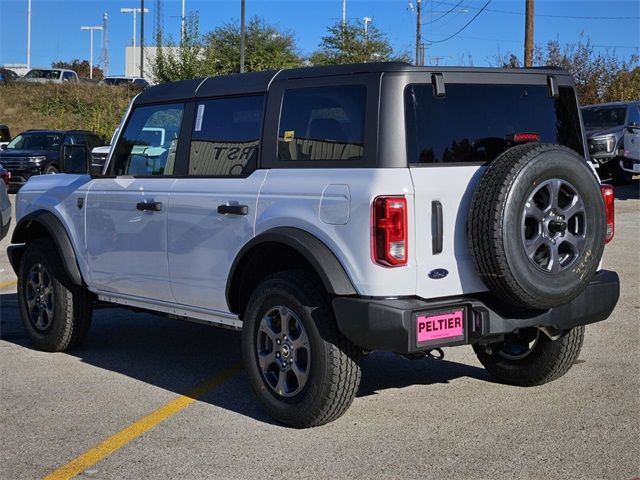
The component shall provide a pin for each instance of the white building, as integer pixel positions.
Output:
(132, 61)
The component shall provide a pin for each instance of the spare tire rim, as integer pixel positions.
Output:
(39, 297)
(283, 351)
(554, 229)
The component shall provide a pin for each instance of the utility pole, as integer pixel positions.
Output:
(344, 13)
(528, 34)
(183, 32)
(142, 38)
(105, 44)
(242, 34)
(91, 29)
(29, 35)
(418, 33)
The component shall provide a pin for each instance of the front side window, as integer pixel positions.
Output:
(477, 122)
(226, 136)
(149, 142)
(322, 123)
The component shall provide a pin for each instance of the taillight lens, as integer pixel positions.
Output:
(526, 137)
(607, 196)
(390, 231)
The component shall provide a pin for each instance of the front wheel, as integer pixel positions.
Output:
(304, 372)
(51, 169)
(530, 358)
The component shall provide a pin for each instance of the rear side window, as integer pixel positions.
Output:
(148, 144)
(324, 123)
(226, 136)
(475, 123)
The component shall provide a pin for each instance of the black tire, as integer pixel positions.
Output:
(62, 318)
(51, 169)
(332, 366)
(548, 360)
(511, 265)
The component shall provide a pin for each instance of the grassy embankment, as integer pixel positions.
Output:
(96, 108)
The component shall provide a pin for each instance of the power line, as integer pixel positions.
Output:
(444, 14)
(576, 17)
(464, 26)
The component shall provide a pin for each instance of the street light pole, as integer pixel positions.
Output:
(91, 29)
(182, 26)
(142, 9)
(134, 11)
(242, 34)
(29, 35)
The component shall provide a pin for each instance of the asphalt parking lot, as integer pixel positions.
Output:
(125, 404)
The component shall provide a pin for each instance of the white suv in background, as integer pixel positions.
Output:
(328, 212)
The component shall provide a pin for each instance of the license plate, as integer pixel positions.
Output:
(441, 326)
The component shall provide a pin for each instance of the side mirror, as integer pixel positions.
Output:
(3, 146)
(75, 159)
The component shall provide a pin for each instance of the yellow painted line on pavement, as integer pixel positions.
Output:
(133, 431)
(7, 284)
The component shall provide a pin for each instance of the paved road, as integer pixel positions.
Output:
(421, 419)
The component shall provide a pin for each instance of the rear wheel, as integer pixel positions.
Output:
(529, 357)
(55, 313)
(301, 368)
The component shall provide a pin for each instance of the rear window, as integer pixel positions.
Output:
(323, 123)
(475, 123)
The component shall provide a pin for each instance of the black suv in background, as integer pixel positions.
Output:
(36, 152)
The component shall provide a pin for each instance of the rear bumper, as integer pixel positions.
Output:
(390, 324)
(630, 165)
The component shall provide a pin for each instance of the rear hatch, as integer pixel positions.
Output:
(451, 137)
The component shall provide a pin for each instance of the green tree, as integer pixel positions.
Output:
(266, 48)
(624, 86)
(350, 44)
(81, 67)
(184, 60)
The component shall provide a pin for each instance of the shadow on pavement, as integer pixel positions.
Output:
(177, 356)
(628, 192)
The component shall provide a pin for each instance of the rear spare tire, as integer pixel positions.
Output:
(537, 226)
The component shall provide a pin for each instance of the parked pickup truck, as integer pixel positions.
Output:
(328, 212)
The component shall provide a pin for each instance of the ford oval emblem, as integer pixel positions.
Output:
(438, 273)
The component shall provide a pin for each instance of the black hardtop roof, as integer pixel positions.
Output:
(259, 82)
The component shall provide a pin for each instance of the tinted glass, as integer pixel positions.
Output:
(603, 117)
(36, 141)
(48, 74)
(226, 136)
(324, 123)
(475, 123)
(634, 116)
(148, 145)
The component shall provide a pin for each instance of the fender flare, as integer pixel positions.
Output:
(54, 227)
(327, 266)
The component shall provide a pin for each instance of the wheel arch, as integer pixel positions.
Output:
(38, 224)
(283, 248)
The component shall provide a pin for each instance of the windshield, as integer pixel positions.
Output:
(603, 116)
(48, 74)
(36, 141)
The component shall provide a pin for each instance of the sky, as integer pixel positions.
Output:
(499, 28)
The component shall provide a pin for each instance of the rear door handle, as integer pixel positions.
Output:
(233, 209)
(151, 206)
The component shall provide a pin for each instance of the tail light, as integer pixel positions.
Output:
(525, 137)
(389, 232)
(6, 176)
(607, 196)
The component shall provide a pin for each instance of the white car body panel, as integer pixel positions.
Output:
(202, 244)
(293, 198)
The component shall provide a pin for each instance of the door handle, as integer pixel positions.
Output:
(151, 206)
(233, 209)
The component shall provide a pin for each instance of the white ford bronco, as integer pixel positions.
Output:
(329, 212)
